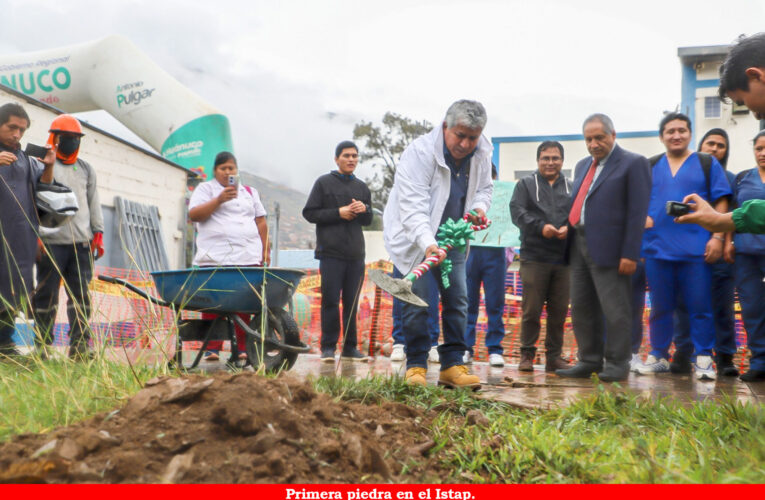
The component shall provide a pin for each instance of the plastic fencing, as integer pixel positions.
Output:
(121, 318)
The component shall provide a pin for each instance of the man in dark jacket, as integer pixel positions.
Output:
(539, 208)
(339, 204)
(19, 178)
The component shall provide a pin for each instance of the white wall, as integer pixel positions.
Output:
(123, 171)
(515, 156)
(741, 130)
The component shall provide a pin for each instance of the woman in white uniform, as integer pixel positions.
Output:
(231, 228)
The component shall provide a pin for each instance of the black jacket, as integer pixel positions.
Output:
(335, 236)
(534, 204)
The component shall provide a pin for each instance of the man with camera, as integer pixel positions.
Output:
(19, 178)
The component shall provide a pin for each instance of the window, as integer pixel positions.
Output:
(711, 107)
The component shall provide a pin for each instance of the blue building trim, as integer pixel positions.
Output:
(690, 85)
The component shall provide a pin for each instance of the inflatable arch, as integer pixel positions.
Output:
(114, 75)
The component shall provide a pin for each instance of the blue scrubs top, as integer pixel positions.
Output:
(668, 240)
(749, 187)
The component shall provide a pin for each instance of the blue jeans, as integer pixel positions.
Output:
(750, 271)
(722, 308)
(398, 321)
(692, 279)
(454, 317)
(487, 265)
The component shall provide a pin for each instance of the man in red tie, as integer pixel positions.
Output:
(608, 212)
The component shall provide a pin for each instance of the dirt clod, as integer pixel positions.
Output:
(240, 428)
(475, 417)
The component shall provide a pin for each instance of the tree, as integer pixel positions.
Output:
(382, 149)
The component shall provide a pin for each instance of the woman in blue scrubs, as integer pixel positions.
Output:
(750, 265)
(677, 256)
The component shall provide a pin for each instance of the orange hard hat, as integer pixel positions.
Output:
(66, 123)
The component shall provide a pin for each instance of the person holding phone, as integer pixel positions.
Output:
(231, 227)
(69, 252)
(19, 177)
(742, 80)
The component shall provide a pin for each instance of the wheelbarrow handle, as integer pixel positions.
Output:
(134, 289)
(272, 343)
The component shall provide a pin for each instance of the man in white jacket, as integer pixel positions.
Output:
(441, 175)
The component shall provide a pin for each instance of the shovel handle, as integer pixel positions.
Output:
(432, 261)
(426, 265)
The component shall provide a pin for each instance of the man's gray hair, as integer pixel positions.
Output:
(470, 114)
(608, 125)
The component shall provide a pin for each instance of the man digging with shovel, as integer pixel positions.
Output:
(440, 176)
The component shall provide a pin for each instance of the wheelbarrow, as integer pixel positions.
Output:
(272, 337)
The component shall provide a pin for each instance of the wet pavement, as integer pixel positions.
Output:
(540, 389)
(520, 389)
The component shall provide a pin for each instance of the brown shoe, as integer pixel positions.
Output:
(458, 376)
(556, 363)
(416, 376)
(527, 362)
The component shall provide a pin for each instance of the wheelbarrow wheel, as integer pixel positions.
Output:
(279, 326)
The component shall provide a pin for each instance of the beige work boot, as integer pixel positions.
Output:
(416, 376)
(458, 376)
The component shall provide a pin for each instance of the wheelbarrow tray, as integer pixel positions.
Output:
(227, 289)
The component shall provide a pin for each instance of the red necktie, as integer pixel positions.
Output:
(576, 208)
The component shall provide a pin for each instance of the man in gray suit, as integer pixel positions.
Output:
(608, 213)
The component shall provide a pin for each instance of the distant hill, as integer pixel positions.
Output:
(294, 231)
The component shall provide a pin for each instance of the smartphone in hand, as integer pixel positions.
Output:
(36, 151)
(676, 208)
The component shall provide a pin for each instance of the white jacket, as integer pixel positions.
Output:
(420, 192)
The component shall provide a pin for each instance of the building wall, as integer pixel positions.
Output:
(516, 156)
(125, 171)
(700, 81)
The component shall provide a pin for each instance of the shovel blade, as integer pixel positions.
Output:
(398, 288)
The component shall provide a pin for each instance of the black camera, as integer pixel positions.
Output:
(36, 151)
(676, 209)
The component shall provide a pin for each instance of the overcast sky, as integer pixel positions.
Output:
(294, 76)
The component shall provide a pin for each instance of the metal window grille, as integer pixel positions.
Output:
(712, 107)
(141, 235)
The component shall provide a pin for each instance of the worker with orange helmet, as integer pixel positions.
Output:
(70, 250)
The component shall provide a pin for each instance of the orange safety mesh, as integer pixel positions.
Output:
(121, 318)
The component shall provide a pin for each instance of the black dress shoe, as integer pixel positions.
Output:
(580, 370)
(753, 376)
(613, 374)
(681, 363)
(725, 367)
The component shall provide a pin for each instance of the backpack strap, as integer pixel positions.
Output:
(248, 188)
(655, 159)
(706, 166)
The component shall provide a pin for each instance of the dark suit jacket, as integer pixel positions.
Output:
(615, 211)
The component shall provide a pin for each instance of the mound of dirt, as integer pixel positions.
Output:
(239, 428)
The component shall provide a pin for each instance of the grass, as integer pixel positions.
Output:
(38, 396)
(605, 438)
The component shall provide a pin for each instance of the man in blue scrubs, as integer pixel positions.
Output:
(677, 257)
